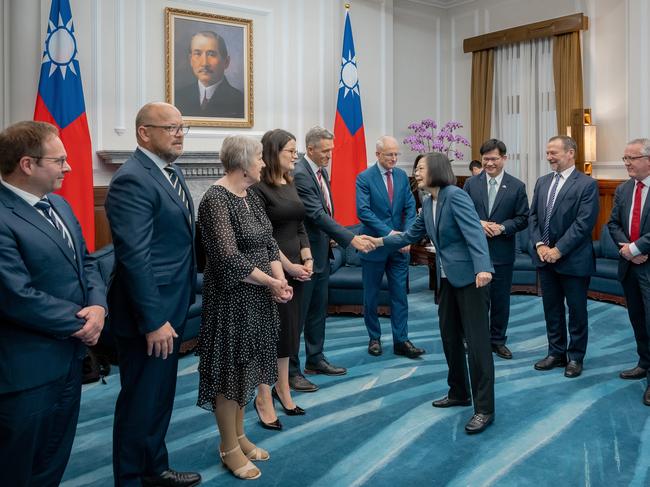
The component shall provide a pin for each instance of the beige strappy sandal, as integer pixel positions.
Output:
(256, 454)
(239, 473)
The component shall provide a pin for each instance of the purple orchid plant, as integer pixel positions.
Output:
(425, 138)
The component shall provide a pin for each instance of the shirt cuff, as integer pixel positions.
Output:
(634, 250)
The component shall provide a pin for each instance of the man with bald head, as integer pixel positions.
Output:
(151, 216)
(385, 205)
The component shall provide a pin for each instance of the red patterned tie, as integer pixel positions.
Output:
(389, 185)
(635, 228)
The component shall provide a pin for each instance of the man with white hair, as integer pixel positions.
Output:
(385, 205)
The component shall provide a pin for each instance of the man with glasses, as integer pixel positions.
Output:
(151, 217)
(502, 206)
(52, 304)
(630, 229)
(385, 205)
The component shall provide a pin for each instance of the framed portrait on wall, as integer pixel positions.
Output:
(209, 68)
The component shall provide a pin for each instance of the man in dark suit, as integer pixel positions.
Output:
(385, 206)
(630, 229)
(312, 183)
(52, 304)
(151, 216)
(562, 216)
(502, 205)
(212, 95)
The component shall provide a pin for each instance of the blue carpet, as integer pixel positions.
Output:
(375, 426)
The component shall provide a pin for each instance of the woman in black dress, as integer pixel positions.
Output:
(243, 281)
(286, 212)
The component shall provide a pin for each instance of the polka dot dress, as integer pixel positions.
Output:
(239, 330)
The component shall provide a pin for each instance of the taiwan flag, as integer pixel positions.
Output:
(349, 157)
(60, 101)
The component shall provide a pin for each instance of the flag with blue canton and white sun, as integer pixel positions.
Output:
(349, 156)
(60, 101)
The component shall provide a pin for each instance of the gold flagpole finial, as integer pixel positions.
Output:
(347, 6)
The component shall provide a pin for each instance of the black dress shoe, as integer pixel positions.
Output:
(646, 396)
(274, 425)
(171, 478)
(634, 373)
(297, 411)
(447, 402)
(300, 384)
(324, 367)
(478, 423)
(407, 349)
(502, 351)
(573, 369)
(550, 362)
(374, 347)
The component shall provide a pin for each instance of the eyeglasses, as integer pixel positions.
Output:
(172, 129)
(392, 155)
(293, 152)
(632, 158)
(491, 159)
(58, 160)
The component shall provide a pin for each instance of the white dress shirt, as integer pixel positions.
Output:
(315, 168)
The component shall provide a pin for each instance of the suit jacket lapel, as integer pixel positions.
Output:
(501, 192)
(164, 183)
(65, 216)
(326, 180)
(543, 196)
(378, 181)
(33, 217)
(442, 199)
(427, 205)
(564, 190)
(628, 196)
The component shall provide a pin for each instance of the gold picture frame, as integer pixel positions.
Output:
(209, 68)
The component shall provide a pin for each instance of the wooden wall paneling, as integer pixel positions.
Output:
(102, 230)
(606, 189)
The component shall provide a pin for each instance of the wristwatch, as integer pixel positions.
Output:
(503, 228)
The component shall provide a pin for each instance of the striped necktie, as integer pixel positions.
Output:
(549, 208)
(45, 206)
(176, 183)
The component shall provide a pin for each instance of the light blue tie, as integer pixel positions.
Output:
(492, 194)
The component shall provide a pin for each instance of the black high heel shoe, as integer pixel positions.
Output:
(297, 411)
(275, 425)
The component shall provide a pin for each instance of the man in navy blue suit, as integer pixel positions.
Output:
(563, 213)
(385, 206)
(502, 205)
(151, 216)
(630, 229)
(52, 304)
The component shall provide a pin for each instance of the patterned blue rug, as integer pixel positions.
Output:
(375, 426)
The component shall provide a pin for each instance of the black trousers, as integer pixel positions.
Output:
(37, 429)
(463, 312)
(500, 303)
(314, 314)
(556, 288)
(636, 287)
(142, 411)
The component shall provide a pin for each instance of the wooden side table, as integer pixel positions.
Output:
(426, 255)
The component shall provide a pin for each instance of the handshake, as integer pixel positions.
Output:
(365, 243)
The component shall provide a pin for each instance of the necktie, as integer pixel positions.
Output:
(173, 178)
(492, 194)
(204, 102)
(549, 208)
(322, 188)
(389, 185)
(45, 207)
(635, 227)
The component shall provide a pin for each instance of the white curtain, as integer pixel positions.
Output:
(523, 113)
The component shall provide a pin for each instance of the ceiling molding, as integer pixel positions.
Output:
(442, 3)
